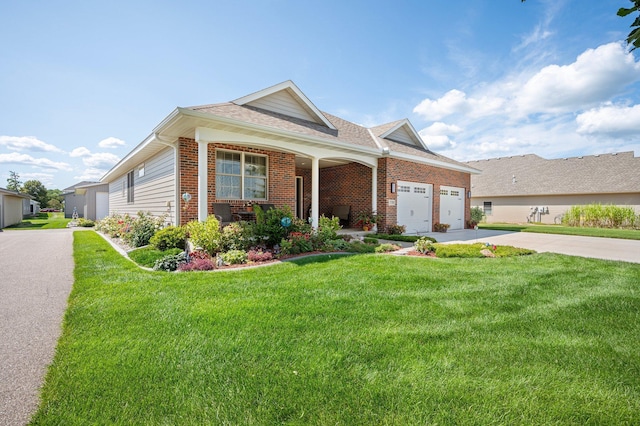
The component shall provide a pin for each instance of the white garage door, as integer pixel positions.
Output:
(415, 206)
(102, 205)
(452, 206)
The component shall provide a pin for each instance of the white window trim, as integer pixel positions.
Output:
(242, 175)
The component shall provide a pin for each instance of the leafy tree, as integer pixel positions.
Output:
(37, 190)
(55, 198)
(13, 183)
(634, 36)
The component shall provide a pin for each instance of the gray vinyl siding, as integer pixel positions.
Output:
(401, 135)
(151, 192)
(283, 103)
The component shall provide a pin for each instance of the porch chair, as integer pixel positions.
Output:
(222, 212)
(342, 212)
(266, 207)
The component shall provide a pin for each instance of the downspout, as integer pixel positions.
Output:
(176, 190)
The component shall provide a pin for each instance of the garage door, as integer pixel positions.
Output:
(452, 206)
(415, 206)
(102, 205)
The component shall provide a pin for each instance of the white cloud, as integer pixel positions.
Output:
(27, 143)
(80, 152)
(100, 159)
(92, 174)
(45, 178)
(436, 136)
(111, 142)
(610, 120)
(27, 160)
(456, 102)
(595, 76)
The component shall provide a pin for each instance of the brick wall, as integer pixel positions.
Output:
(281, 179)
(393, 170)
(349, 184)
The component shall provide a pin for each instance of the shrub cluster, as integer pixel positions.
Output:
(602, 216)
(169, 237)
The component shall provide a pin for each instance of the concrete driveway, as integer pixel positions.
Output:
(36, 276)
(598, 248)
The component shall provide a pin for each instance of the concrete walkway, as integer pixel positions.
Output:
(36, 276)
(593, 247)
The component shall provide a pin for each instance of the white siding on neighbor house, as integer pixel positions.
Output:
(283, 103)
(12, 210)
(518, 209)
(151, 192)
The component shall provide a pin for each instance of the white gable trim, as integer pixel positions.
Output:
(309, 109)
(408, 128)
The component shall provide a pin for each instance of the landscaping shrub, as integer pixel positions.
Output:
(386, 247)
(169, 237)
(425, 245)
(440, 227)
(474, 250)
(268, 226)
(205, 235)
(370, 240)
(396, 229)
(338, 244)
(115, 225)
(259, 256)
(235, 236)
(357, 246)
(169, 262)
(197, 264)
(296, 243)
(85, 223)
(234, 257)
(477, 214)
(142, 228)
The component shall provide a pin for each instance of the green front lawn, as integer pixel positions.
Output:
(627, 234)
(351, 340)
(43, 221)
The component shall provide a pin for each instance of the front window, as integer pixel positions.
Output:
(241, 176)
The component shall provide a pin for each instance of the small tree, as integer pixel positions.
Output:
(13, 183)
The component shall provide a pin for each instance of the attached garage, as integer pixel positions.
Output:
(415, 206)
(452, 206)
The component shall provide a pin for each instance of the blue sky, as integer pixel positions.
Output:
(83, 82)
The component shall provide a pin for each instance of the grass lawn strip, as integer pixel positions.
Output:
(626, 234)
(358, 340)
(43, 221)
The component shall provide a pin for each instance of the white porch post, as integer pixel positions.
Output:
(315, 191)
(203, 201)
(374, 189)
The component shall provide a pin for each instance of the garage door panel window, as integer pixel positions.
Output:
(241, 176)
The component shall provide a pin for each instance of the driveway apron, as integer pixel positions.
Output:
(36, 276)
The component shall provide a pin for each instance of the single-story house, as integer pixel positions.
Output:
(275, 146)
(12, 207)
(75, 201)
(30, 207)
(95, 200)
(529, 188)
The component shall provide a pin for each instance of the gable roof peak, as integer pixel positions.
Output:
(286, 98)
(400, 131)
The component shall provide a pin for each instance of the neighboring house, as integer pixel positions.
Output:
(30, 207)
(89, 199)
(74, 201)
(529, 188)
(274, 146)
(12, 207)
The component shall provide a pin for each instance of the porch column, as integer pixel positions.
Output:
(203, 201)
(374, 189)
(315, 191)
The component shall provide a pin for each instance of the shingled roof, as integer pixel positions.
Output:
(534, 175)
